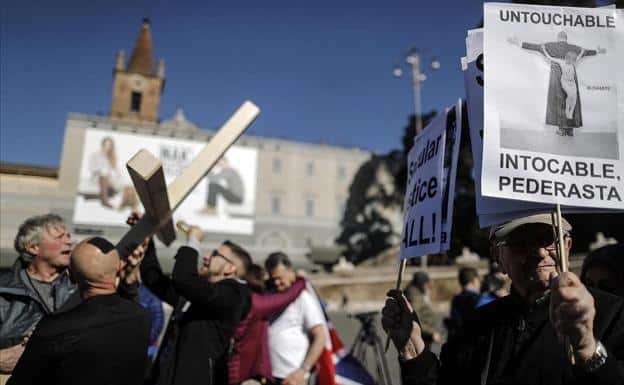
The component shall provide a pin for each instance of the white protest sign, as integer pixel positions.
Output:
(554, 123)
(473, 80)
(423, 197)
(490, 210)
(449, 172)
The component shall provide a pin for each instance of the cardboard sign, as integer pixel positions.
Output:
(449, 171)
(554, 121)
(423, 197)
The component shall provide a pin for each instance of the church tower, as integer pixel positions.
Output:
(137, 87)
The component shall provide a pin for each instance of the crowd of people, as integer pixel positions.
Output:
(78, 314)
(71, 314)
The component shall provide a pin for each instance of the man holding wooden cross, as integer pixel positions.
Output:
(208, 303)
(521, 338)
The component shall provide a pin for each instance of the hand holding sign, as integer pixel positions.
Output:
(401, 324)
(572, 313)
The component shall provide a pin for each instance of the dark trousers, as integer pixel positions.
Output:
(214, 189)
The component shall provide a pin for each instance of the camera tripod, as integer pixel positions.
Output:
(367, 338)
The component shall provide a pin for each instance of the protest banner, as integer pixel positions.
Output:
(554, 123)
(490, 210)
(449, 172)
(423, 198)
(473, 80)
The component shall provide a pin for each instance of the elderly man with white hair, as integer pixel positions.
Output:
(102, 340)
(38, 284)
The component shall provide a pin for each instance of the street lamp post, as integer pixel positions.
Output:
(418, 76)
(413, 59)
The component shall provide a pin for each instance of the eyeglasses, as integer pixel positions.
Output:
(216, 253)
(519, 247)
(544, 240)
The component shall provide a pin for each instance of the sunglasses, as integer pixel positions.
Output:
(216, 253)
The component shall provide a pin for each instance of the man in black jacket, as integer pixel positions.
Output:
(208, 304)
(103, 340)
(522, 338)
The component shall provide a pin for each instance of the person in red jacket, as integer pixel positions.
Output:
(250, 358)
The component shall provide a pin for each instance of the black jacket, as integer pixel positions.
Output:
(522, 348)
(101, 341)
(198, 339)
(20, 308)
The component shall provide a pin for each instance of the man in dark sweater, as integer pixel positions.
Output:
(208, 304)
(464, 303)
(103, 340)
(522, 338)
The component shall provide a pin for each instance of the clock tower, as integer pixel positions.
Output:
(137, 87)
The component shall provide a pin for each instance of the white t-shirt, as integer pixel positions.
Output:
(288, 337)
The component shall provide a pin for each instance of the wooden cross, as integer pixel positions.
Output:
(160, 200)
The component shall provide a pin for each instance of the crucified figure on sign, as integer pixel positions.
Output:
(563, 106)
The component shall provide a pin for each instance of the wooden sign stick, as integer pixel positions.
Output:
(402, 267)
(563, 264)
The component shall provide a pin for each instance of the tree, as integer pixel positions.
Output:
(372, 221)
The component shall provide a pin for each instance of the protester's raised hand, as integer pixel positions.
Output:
(133, 218)
(130, 271)
(572, 313)
(397, 319)
(195, 233)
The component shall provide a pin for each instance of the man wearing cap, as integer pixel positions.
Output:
(103, 340)
(524, 337)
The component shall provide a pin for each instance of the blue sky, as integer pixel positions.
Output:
(320, 70)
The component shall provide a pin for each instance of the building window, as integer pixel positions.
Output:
(310, 169)
(135, 103)
(309, 207)
(277, 165)
(342, 172)
(276, 205)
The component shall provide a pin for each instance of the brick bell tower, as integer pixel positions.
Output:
(136, 87)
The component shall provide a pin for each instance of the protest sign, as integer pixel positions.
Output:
(449, 172)
(554, 123)
(473, 80)
(423, 197)
(491, 210)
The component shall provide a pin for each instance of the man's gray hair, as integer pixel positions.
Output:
(31, 231)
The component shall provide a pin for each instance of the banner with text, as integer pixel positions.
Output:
(423, 197)
(222, 202)
(554, 121)
(449, 172)
(473, 81)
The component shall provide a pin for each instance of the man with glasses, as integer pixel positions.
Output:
(208, 301)
(551, 329)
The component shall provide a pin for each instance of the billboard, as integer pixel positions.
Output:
(223, 202)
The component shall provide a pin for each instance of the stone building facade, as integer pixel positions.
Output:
(301, 188)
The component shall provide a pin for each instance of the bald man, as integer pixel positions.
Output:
(101, 341)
